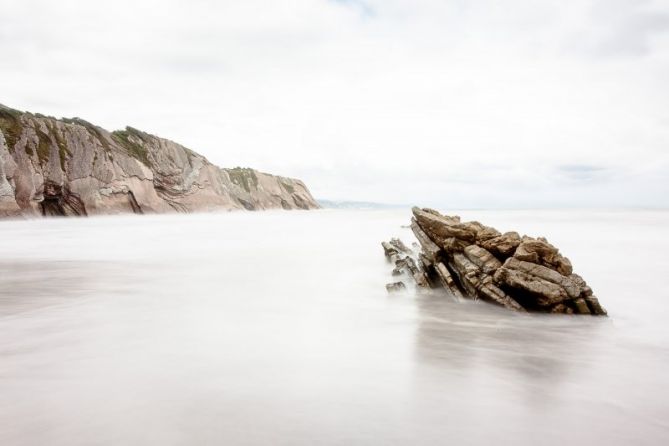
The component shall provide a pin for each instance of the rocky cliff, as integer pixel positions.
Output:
(52, 166)
(474, 261)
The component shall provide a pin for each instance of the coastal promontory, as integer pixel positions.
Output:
(66, 167)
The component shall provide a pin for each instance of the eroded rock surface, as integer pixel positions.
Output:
(52, 166)
(470, 260)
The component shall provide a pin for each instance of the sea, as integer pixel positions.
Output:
(275, 328)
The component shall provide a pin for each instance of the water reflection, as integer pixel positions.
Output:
(519, 375)
(27, 285)
(537, 348)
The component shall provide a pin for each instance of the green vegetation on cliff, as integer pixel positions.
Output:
(132, 140)
(43, 146)
(10, 125)
(63, 151)
(92, 129)
(13, 122)
(286, 185)
(244, 177)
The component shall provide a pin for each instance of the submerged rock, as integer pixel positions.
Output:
(397, 253)
(395, 287)
(52, 166)
(474, 261)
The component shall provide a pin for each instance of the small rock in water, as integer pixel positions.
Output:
(400, 246)
(395, 287)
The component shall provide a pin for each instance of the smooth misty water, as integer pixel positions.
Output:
(275, 328)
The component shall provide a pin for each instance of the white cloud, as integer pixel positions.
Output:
(456, 103)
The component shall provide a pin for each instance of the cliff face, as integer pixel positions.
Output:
(54, 166)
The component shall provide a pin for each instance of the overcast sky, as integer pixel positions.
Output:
(452, 103)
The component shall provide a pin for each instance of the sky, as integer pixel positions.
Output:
(451, 103)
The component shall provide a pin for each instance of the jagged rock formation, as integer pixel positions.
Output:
(470, 260)
(52, 166)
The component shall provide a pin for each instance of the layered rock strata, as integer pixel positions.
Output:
(52, 166)
(474, 261)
